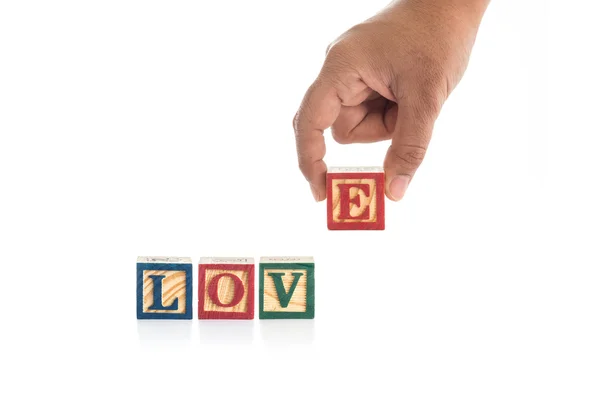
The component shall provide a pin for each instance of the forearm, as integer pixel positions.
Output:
(451, 18)
(467, 9)
(465, 12)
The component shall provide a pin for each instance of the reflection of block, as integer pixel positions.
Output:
(164, 288)
(355, 198)
(286, 287)
(226, 288)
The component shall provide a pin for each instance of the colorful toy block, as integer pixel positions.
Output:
(286, 288)
(355, 198)
(164, 288)
(226, 288)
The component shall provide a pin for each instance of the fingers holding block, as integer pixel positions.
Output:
(286, 288)
(164, 288)
(356, 198)
(226, 288)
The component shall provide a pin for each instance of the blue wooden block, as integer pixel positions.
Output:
(164, 288)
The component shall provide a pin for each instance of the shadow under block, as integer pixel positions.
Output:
(356, 198)
(226, 288)
(286, 288)
(164, 288)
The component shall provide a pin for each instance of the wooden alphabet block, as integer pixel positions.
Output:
(164, 288)
(286, 288)
(355, 198)
(226, 288)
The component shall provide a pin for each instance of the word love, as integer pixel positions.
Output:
(286, 288)
(355, 198)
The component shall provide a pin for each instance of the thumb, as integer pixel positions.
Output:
(410, 139)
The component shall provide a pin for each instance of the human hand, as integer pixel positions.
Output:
(387, 78)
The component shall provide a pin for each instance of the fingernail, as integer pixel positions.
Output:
(315, 192)
(398, 186)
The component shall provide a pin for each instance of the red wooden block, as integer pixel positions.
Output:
(355, 198)
(226, 288)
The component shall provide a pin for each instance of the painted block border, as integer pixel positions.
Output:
(380, 202)
(187, 268)
(310, 291)
(249, 314)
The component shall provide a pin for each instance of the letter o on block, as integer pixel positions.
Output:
(237, 290)
(226, 288)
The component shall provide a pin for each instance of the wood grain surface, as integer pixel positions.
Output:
(364, 201)
(225, 291)
(298, 300)
(173, 287)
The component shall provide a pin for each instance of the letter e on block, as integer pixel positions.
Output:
(355, 198)
(226, 288)
(164, 288)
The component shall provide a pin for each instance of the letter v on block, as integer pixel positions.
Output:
(286, 288)
(284, 297)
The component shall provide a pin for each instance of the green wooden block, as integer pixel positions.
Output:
(286, 288)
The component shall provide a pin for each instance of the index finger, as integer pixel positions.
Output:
(318, 111)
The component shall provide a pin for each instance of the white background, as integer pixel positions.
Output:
(164, 128)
